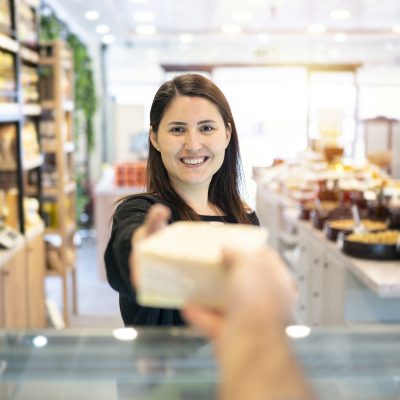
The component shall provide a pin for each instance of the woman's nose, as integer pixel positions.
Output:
(192, 141)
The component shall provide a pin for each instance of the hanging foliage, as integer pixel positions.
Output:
(52, 28)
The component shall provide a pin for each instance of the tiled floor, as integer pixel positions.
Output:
(97, 302)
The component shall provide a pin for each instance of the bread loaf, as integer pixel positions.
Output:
(183, 262)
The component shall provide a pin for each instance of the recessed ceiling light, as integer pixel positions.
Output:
(102, 29)
(396, 28)
(186, 38)
(263, 37)
(340, 14)
(316, 28)
(340, 37)
(138, 1)
(92, 15)
(143, 16)
(242, 16)
(231, 29)
(108, 39)
(146, 30)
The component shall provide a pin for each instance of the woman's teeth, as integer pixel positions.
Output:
(193, 161)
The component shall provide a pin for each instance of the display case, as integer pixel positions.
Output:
(155, 364)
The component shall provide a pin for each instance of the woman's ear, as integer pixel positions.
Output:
(228, 130)
(153, 139)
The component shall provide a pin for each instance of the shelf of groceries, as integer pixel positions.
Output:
(337, 225)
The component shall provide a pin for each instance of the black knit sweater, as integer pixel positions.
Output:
(128, 216)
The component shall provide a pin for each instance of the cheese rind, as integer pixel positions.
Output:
(183, 262)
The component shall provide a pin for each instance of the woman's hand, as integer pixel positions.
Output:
(156, 219)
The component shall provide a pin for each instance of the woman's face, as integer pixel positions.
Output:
(192, 139)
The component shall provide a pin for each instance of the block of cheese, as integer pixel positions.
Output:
(183, 262)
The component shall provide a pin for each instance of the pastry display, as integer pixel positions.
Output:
(334, 227)
(384, 245)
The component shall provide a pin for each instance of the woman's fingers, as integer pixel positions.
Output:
(157, 218)
(208, 321)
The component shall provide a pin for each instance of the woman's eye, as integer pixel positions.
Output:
(176, 130)
(207, 128)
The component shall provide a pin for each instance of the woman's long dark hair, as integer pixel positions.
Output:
(223, 192)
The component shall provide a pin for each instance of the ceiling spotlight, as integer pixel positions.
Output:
(231, 29)
(108, 39)
(396, 28)
(143, 16)
(102, 29)
(340, 37)
(340, 14)
(146, 30)
(186, 38)
(92, 15)
(316, 28)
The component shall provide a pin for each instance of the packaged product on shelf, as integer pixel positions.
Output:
(8, 134)
(30, 144)
(5, 14)
(12, 218)
(8, 85)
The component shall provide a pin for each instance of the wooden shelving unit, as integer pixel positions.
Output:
(59, 187)
(22, 267)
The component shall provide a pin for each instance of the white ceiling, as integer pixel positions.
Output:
(370, 38)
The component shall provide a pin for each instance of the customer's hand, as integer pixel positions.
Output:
(255, 357)
(258, 285)
(156, 219)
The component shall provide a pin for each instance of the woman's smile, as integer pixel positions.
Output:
(194, 161)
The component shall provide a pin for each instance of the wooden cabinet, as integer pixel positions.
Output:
(35, 274)
(22, 295)
(13, 290)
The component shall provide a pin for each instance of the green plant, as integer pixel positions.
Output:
(52, 28)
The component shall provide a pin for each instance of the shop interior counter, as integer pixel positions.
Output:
(178, 364)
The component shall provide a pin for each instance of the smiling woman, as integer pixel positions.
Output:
(193, 170)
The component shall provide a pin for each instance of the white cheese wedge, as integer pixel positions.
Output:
(183, 262)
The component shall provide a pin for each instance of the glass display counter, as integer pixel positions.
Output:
(178, 364)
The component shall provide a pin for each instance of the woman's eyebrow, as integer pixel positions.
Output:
(177, 123)
(206, 121)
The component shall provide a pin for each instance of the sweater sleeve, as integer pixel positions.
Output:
(128, 216)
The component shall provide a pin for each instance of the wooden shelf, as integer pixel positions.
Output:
(48, 104)
(33, 3)
(9, 44)
(9, 112)
(26, 164)
(69, 188)
(51, 147)
(67, 105)
(31, 109)
(57, 231)
(29, 55)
